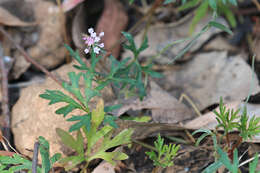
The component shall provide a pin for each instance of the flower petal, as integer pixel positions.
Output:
(84, 38)
(86, 51)
(96, 50)
(97, 39)
(90, 30)
(93, 34)
(101, 34)
(101, 45)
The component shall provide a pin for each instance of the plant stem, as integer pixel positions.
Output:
(144, 145)
(85, 169)
(228, 141)
(5, 124)
(156, 169)
(231, 151)
(237, 143)
(28, 58)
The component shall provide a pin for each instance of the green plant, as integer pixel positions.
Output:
(164, 2)
(218, 6)
(130, 76)
(97, 124)
(127, 74)
(226, 118)
(229, 121)
(222, 7)
(165, 153)
(232, 167)
(94, 135)
(253, 165)
(17, 162)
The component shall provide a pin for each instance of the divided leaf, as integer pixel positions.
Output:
(69, 141)
(19, 163)
(83, 121)
(165, 153)
(56, 96)
(123, 137)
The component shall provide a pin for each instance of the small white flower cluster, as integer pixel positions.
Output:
(92, 41)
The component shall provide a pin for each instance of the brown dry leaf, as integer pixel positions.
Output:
(20, 65)
(6, 18)
(79, 26)
(256, 49)
(6, 153)
(209, 76)
(220, 44)
(68, 5)
(1, 136)
(165, 108)
(84, 18)
(49, 50)
(104, 167)
(161, 35)
(112, 21)
(208, 120)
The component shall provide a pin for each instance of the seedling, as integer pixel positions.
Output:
(164, 154)
(229, 121)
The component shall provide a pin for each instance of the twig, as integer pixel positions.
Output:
(257, 4)
(5, 102)
(28, 58)
(8, 143)
(35, 157)
(144, 145)
(37, 65)
(184, 96)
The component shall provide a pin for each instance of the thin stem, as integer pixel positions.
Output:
(144, 145)
(228, 140)
(85, 168)
(37, 65)
(35, 157)
(156, 169)
(28, 58)
(5, 101)
(231, 151)
(184, 96)
(237, 143)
